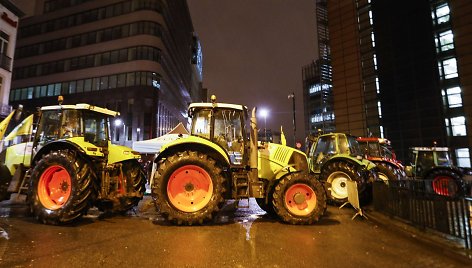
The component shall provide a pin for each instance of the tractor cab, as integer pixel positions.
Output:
(332, 144)
(424, 159)
(224, 125)
(82, 124)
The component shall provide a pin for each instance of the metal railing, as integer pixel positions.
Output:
(415, 202)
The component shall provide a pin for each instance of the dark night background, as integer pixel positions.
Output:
(253, 52)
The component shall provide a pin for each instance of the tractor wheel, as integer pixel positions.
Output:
(386, 172)
(299, 199)
(61, 188)
(188, 188)
(445, 182)
(336, 175)
(136, 185)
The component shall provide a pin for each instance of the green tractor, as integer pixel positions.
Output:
(218, 161)
(71, 166)
(337, 158)
(434, 165)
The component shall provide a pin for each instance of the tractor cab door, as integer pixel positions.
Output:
(224, 127)
(322, 150)
(424, 162)
(228, 133)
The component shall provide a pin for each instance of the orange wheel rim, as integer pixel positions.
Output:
(54, 187)
(189, 188)
(300, 199)
(444, 185)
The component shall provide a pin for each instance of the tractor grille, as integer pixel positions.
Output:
(281, 154)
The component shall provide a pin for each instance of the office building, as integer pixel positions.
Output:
(141, 58)
(9, 16)
(402, 70)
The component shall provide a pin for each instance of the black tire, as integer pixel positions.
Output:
(446, 182)
(5, 179)
(80, 187)
(299, 199)
(387, 172)
(202, 169)
(335, 174)
(136, 184)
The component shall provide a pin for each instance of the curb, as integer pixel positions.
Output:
(433, 239)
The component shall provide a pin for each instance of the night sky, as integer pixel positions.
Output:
(253, 52)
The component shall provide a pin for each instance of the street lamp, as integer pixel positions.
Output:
(292, 96)
(265, 113)
(117, 123)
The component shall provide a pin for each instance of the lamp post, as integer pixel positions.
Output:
(265, 113)
(292, 96)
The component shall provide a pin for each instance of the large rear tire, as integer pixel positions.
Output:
(135, 183)
(299, 199)
(61, 188)
(336, 175)
(445, 182)
(188, 188)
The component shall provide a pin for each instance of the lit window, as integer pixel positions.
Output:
(442, 13)
(458, 126)
(315, 88)
(463, 157)
(454, 97)
(381, 131)
(377, 85)
(379, 107)
(445, 41)
(450, 68)
(370, 18)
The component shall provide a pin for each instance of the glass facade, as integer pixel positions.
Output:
(88, 51)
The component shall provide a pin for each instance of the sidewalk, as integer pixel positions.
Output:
(451, 246)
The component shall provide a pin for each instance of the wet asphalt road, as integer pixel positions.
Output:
(241, 238)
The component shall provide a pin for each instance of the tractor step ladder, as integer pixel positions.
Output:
(241, 187)
(26, 178)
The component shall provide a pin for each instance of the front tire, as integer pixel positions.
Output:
(61, 188)
(386, 172)
(188, 188)
(336, 175)
(299, 199)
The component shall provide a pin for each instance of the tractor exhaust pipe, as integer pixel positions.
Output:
(253, 141)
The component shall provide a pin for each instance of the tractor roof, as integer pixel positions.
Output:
(374, 139)
(216, 105)
(81, 106)
(430, 149)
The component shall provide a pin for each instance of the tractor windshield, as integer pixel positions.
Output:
(354, 146)
(370, 148)
(443, 159)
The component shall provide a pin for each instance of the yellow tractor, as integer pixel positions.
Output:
(218, 161)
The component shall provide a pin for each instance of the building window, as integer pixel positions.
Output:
(453, 96)
(441, 14)
(445, 41)
(463, 157)
(458, 126)
(448, 68)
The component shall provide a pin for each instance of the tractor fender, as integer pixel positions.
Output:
(453, 169)
(56, 145)
(364, 163)
(193, 143)
(119, 153)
